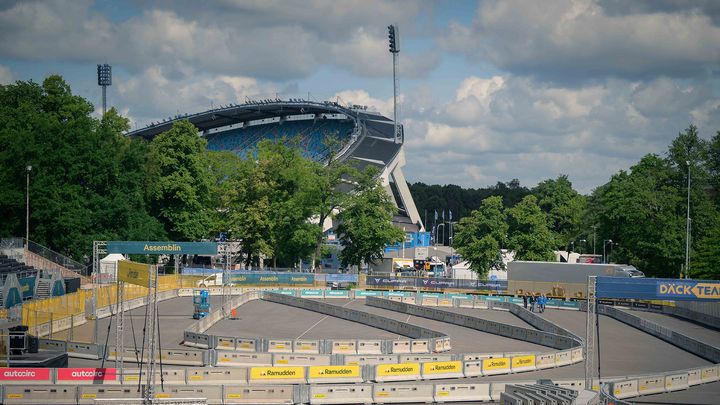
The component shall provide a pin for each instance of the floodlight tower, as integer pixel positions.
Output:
(104, 73)
(393, 37)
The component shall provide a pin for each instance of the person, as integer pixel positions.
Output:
(544, 302)
(525, 300)
(532, 302)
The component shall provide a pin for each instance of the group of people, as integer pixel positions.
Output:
(534, 299)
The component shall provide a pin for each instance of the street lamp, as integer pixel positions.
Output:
(605, 242)
(28, 169)
(583, 241)
(687, 226)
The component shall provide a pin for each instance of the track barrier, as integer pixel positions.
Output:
(397, 372)
(462, 392)
(281, 394)
(398, 393)
(341, 394)
(39, 394)
(277, 375)
(334, 374)
(213, 394)
(217, 376)
(235, 359)
(442, 369)
(88, 394)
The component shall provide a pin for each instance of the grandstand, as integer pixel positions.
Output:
(361, 137)
(11, 266)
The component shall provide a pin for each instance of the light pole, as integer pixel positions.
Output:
(605, 242)
(687, 227)
(594, 232)
(28, 169)
(582, 241)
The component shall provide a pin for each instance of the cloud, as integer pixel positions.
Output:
(6, 76)
(506, 126)
(570, 39)
(152, 94)
(273, 40)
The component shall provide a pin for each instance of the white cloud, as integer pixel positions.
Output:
(274, 40)
(566, 39)
(152, 94)
(362, 97)
(505, 127)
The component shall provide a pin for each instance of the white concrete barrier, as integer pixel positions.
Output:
(341, 394)
(364, 360)
(282, 394)
(496, 366)
(545, 360)
(88, 394)
(522, 363)
(676, 382)
(462, 392)
(334, 374)
(472, 368)
(624, 389)
(709, 374)
(235, 359)
(301, 359)
(277, 375)
(212, 394)
(369, 346)
(306, 346)
(442, 369)
(216, 376)
(280, 346)
(398, 393)
(344, 346)
(39, 394)
(651, 385)
(397, 372)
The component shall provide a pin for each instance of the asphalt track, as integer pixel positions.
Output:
(694, 330)
(623, 349)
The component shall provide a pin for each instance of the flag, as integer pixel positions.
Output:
(443, 215)
(436, 216)
(450, 215)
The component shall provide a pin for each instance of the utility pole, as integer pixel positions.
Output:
(393, 37)
(687, 227)
(28, 168)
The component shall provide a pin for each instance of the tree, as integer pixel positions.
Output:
(180, 182)
(530, 236)
(480, 236)
(564, 207)
(87, 181)
(705, 264)
(639, 209)
(366, 223)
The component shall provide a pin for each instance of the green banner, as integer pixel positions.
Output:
(163, 248)
(294, 279)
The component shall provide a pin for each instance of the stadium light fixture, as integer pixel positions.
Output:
(104, 74)
(393, 35)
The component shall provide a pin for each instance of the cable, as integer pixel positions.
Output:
(132, 326)
(107, 336)
(157, 321)
(142, 349)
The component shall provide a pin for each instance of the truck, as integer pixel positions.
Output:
(564, 280)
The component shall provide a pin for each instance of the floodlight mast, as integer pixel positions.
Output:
(393, 37)
(104, 73)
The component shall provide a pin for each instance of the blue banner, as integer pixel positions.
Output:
(658, 289)
(163, 248)
(27, 286)
(341, 278)
(436, 283)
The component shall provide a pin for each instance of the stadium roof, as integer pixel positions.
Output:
(254, 110)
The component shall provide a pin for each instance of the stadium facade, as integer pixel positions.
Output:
(366, 138)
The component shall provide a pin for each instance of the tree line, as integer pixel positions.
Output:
(640, 213)
(90, 182)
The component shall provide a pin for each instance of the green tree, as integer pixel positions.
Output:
(639, 210)
(87, 181)
(480, 236)
(706, 264)
(564, 207)
(366, 223)
(530, 237)
(180, 182)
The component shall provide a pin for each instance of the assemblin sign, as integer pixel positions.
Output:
(161, 248)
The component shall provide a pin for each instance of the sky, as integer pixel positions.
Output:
(489, 90)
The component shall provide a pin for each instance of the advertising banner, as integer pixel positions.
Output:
(333, 371)
(442, 367)
(295, 279)
(658, 289)
(86, 374)
(276, 373)
(163, 248)
(436, 283)
(133, 273)
(24, 374)
(402, 369)
(496, 364)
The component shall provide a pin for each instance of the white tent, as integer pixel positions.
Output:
(108, 268)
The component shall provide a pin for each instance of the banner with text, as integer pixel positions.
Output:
(295, 279)
(435, 283)
(658, 289)
(133, 273)
(163, 248)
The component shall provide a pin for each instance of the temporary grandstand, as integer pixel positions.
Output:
(365, 138)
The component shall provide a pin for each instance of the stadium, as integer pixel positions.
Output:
(365, 138)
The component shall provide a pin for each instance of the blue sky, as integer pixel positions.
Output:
(491, 90)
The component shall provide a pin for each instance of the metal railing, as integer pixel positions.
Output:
(56, 257)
